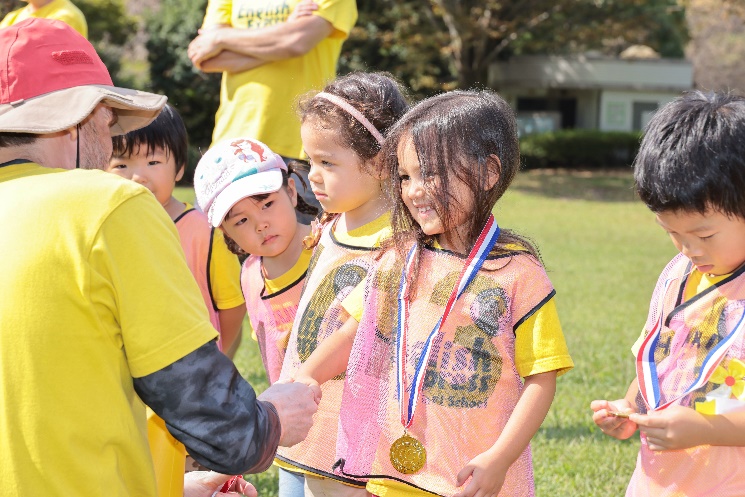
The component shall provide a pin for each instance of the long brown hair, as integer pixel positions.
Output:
(378, 96)
(456, 135)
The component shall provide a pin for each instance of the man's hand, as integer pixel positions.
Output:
(304, 8)
(208, 484)
(204, 46)
(295, 404)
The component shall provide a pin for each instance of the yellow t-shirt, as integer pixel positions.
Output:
(62, 10)
(260, 102)
(95, 291)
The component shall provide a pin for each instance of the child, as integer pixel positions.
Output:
(688, 398)
(155, 157)
(245, 189)
(433, 402)
(342, 130)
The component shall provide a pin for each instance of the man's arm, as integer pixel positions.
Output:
(281, 41)
(231, 62)
(214, 412)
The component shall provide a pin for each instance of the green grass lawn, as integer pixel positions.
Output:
(603, 252)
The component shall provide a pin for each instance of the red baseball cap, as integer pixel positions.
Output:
(51, 78)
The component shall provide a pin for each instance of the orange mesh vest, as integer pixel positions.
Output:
(335, 270)
(691, 330)
(471, 384)
(271, 316)
(169, 455)
(196, 234)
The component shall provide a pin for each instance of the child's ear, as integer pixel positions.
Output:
(180, 173)
(493, 171)
(292, 191)
(379, 172)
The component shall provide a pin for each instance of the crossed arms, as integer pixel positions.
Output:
(222, 48)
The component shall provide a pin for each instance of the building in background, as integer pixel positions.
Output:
(589, 92)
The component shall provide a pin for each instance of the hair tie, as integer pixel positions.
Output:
(340, 102)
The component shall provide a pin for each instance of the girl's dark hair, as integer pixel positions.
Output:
(302, 206)
(692, 157)
(377, 95)
(167, 131)
(470, 136)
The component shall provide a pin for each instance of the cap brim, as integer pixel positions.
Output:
(63, 109)
(256, 184)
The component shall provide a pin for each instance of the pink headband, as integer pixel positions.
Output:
(340, 102)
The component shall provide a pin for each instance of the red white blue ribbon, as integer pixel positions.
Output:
(646, 369)
(478, 254)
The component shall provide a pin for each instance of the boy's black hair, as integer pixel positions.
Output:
(692, 157)
(167, 131)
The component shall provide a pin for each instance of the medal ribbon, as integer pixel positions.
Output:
(646, 369)
(473, 263)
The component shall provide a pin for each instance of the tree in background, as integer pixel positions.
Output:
(717, 47)
(196, 95)
(439, 44)
(109, 30)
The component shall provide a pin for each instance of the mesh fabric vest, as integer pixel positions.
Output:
(471, 384)
(271, 316)
(195, 233)
(690, 330)
(335, 270)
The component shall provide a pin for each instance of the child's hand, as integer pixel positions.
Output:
(313, 384)
(614, 426)
(673, 428)
(487, 474)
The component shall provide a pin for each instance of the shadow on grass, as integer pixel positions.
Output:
(612, 185)
(582, 432)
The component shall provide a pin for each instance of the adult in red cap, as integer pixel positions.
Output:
(98, 310)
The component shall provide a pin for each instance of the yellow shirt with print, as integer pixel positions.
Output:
(95, 291)
(260, 102)
(61, 10)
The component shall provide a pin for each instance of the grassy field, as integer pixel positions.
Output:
(603, 253)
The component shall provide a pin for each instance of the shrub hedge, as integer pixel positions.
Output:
(580, 149)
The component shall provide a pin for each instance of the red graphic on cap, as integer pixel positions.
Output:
(253, 146)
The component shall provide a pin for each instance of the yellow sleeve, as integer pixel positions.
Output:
(137, 259)
(10, 18)
(355, 301)
(342, 14)
(225, 274)
(539, 343)
(74, 18)
(218, 12)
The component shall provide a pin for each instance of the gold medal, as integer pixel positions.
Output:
(408, 454)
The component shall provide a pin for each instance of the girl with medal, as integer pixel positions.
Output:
(688, 399)
(453, 316)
